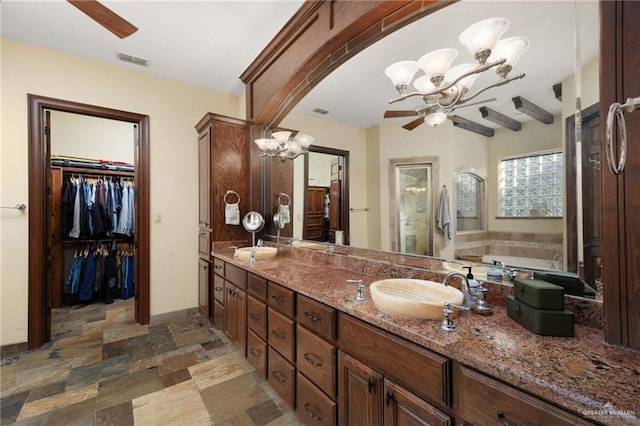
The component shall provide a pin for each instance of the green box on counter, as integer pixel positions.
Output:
(541, 321)
(539, 294)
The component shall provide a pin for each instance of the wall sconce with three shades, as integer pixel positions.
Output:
(283, 146)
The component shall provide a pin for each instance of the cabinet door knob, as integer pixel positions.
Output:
(280, 378)
(311, 316)
(370, 385)
(255, 352)
(310, 360)
(277, 334)
(388, 398)
(254, 317)
(277, 299)
(310, 413)
(504, 420)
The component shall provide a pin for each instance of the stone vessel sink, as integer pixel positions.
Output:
(262, 253)
(412, 298)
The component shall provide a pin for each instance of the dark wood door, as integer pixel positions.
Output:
(360, 390)
(314, 225)
(335, 207)
(591, 199)
(204, 301)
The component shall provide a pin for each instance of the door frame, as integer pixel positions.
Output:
(39, 327)
(344, 186)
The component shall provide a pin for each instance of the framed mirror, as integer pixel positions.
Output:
(351, 95)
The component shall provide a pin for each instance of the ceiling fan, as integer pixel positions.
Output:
(105, 17)
(427, 110)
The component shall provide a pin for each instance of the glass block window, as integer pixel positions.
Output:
(531, 186)
(467, 195)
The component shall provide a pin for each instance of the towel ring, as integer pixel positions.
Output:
(283, 195)
(616, 111)
(232, 193)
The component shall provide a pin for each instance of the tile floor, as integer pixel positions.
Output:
(101, 368)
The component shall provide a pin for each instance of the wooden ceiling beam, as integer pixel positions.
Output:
(532, 110)
(471, 126)
(500, 119)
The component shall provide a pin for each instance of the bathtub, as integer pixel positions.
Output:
(524, 262)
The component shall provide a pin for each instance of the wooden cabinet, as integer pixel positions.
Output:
(317, 317)
(223, 152)
(282, 377)
(217, 305)
(316, 359)
(360, 393)
(486, 401)
(257, 353)
(203, 287)
(281, 299)
(235, 308)
(312, 405)
(401, 407)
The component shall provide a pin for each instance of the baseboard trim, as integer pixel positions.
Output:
(13, 349)
(173, 316)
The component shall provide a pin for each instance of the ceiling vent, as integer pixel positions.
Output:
(132, 59)
(321, 111)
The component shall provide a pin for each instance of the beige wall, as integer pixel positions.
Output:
(174, 109)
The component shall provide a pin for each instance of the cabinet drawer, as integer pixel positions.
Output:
(281, 334)
(402, 407)
(312, 406)
(257, 353)
(257, 317)
(421, 371)
(204, 243)
(218, 266)
(316, 359)
(218, 288)
(486, 401)
(282, 377)
(317, 317)
(257, 287)
(236, 276)
(281, 299)
(218, 315)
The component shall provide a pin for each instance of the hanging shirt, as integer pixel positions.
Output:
(75, 230)
(123, 216)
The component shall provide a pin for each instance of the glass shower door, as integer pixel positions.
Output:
(414, 207)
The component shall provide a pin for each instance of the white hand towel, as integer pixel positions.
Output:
(232, 214)
(285, 215)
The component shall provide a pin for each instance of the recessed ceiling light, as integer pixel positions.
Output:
(132, 59)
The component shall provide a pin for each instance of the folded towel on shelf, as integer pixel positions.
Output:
(443, 214)
(232, 214)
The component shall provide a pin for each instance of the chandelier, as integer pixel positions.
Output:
(283, 146)
(444, 88)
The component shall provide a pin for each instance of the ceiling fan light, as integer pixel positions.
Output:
(437, 62)
(510, 48)
(401, 73)
(304, 140)
(435, 118)
(483, 35)
(461, 69)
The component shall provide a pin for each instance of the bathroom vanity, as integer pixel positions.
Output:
(337, 360)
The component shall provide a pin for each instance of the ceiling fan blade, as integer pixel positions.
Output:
(105, 17)
(401, 113)
(413, 124)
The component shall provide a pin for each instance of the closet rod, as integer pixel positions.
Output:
(95, 172)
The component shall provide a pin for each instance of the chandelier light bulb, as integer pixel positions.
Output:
(401, 73)
(461, 69)
(437, 62)
(511, 49)
(304, 140)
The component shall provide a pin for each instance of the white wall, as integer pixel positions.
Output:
(174, 109)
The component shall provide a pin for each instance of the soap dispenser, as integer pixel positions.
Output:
(474, 285)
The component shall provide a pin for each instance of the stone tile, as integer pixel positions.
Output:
(83, 339)
(115, 349)
(188, 335)
(142, 364)
(213, 344)
(180, 405)
(52, 403)
(15, 381)
(219, 370)
(109, 368)
(240, 394)
(125, 388)
(288, 419)
(264, 412)
(120, 415)
(241, 419)
(175, 377)
(124, 332)
(176, 362)
(47, 390)
(150, 344)
(78, 414)
(11, 406)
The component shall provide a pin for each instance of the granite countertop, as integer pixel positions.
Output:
(581, 373)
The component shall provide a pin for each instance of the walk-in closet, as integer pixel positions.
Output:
(91, 209)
